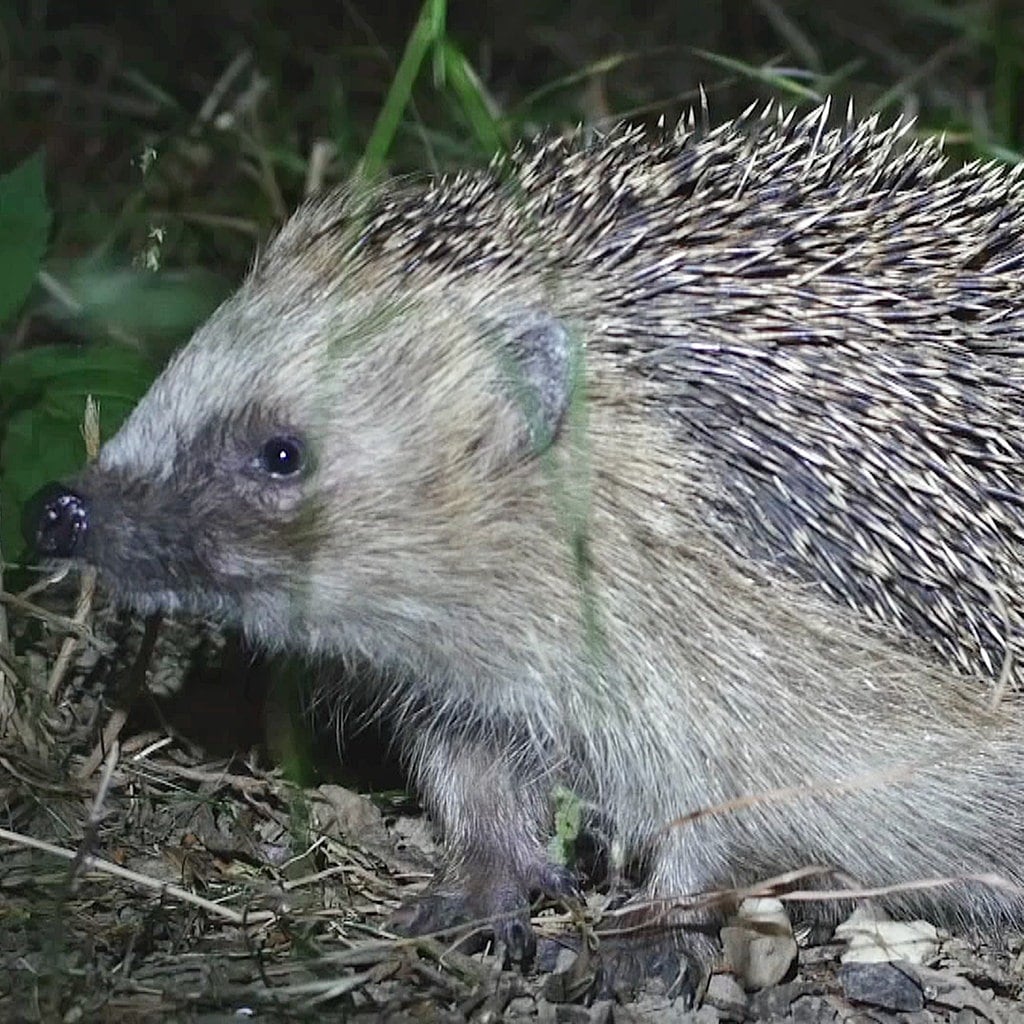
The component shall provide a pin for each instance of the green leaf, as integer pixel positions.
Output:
(166, 306)
(24, 226)
(478, 106)
(429, 31)
(568, 825)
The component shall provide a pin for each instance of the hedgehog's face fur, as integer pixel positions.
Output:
(315, 454)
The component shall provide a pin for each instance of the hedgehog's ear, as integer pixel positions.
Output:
(539, 358)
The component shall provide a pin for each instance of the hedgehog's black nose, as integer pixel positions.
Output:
(56, 520)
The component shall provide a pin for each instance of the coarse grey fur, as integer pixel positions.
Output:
(745, 515)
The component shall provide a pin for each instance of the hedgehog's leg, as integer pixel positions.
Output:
(492, 804)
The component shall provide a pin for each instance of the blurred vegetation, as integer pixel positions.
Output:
(172, 136)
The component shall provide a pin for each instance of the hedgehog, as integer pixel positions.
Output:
(682, 472)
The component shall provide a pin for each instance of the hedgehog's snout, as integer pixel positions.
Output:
(56, 521)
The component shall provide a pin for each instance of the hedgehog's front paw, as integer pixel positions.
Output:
(676, 960)
(680, 967)
(500, 906)
(504, 916)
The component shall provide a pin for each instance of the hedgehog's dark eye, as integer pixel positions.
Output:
(281, 456)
